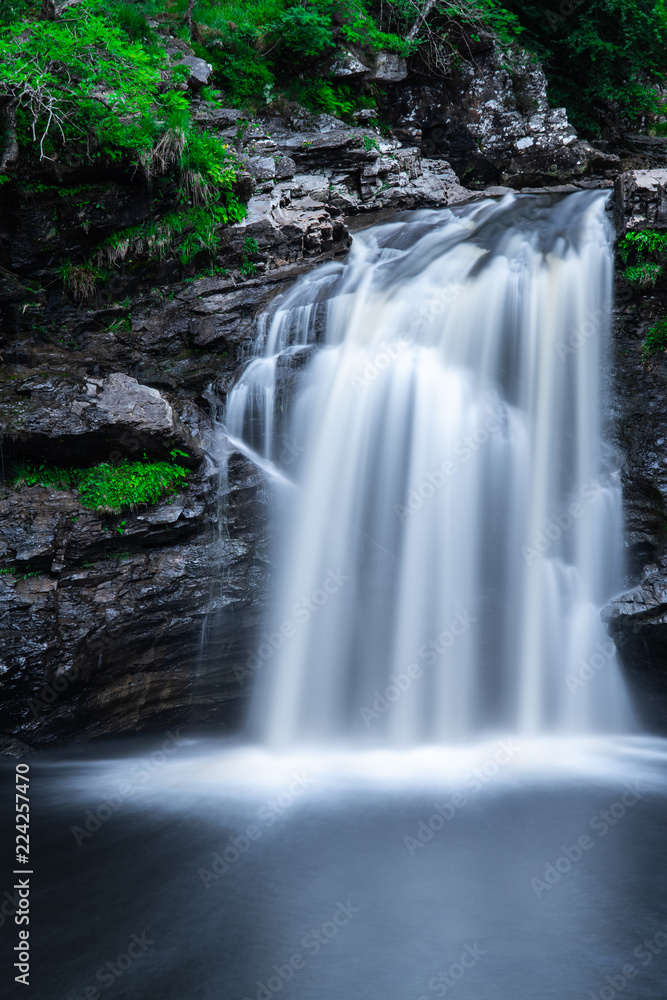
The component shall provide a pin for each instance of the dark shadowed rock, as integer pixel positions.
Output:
(641, 200)
(79, 421)
(107, 636)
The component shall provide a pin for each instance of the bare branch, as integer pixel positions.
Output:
(423, 14)
(188, 15)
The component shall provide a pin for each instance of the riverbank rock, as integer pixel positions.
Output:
(641, 200)
(101, 618)
(76, 421)
(493, 123)
(637, 620)
(638, 624)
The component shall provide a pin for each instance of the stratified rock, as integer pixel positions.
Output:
(641, 200)
(79, 421)
(101, 629)
(494, 125)
(638, 624)
(262, 168)
(637, 620)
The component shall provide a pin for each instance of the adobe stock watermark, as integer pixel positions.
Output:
(644, 952)
(312, 942)
(601, 823)
(443, 982)
(236, 846)
(303, 611)
(93, 820)
(400, 683)
(580, 333)
(433, 307)
(108, 974)
(383, 359)
(565, 10)
(9, 906)
(474, 780)
(290, 451)
(464, 449)
(604, 653)
(560, 524)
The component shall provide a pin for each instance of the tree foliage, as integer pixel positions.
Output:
(603, 58)
(95, 84)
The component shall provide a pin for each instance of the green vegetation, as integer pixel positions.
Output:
(602, 58)
(96, 86)
(184, 234)
(109, 488)
(254, 46)
(90, 85)
(80, 282)
(656, 339)
(645, 253)
(250, 249)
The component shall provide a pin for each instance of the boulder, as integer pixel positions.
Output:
(637, 622)
(101, 630)
(348, 65)
(389, 68)
(641, 200)
(200, 71)
(79, 421)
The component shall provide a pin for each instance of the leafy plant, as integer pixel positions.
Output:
(250, 249)
(602, 57)
(643, 275)
(95, 85)
(646, 253)
(643, 243)
(107, 487)
(656, 339)
(254, 46)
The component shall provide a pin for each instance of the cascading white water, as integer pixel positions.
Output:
(456, 524)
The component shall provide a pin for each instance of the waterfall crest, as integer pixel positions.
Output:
(432, 413)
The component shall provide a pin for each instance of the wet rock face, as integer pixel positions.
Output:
(641, 200)
(75, 420)
(638, 619)
(101, 632)
(638, 624)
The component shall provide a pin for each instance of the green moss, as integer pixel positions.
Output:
(107, 487)
(96, 86)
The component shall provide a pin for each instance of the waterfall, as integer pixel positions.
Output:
(431, 412)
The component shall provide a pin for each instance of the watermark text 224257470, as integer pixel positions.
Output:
(22, 886)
